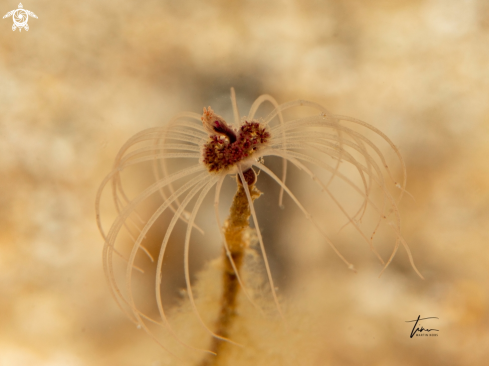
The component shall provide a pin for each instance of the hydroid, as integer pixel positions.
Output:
(208, 149)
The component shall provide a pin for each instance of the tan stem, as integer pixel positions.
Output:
(235, 229)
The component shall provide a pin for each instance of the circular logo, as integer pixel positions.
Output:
(20, 18)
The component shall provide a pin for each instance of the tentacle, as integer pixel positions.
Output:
(294, 103)
(182, 137)
(254, 107)
(338, 204)
(109, 245)
(133, 158)
(388, 140)
(130, 301)
(161, 156)
(260, 240)
(379, 181)
(348, 131)
(391, 257)
(186, 254)
(150, 150)
(237, 121)
(124, 163)
(395, 227)
(338, 162)
(208, 181)
(408, 251)
(313, 136)
(332, 152)
(146, 135)
(307, 214)
(345, 179)
(165, 134)
(185, 132)
(133, 238)
(195, 185)
(274, 152)
(324, 112)
(114, 173)
(226, 247)
(354, 135)
(319, 145)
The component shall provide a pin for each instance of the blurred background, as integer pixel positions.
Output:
(90, 74)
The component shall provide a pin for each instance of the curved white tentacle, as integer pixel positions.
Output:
(262, 246)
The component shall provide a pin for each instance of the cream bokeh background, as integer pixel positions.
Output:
(88, 75)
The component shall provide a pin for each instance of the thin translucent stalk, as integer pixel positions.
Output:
(236, 242)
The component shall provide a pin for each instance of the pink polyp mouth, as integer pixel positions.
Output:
(225, 150)
(222, 129)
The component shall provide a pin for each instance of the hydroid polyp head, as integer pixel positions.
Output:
(227, 147)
